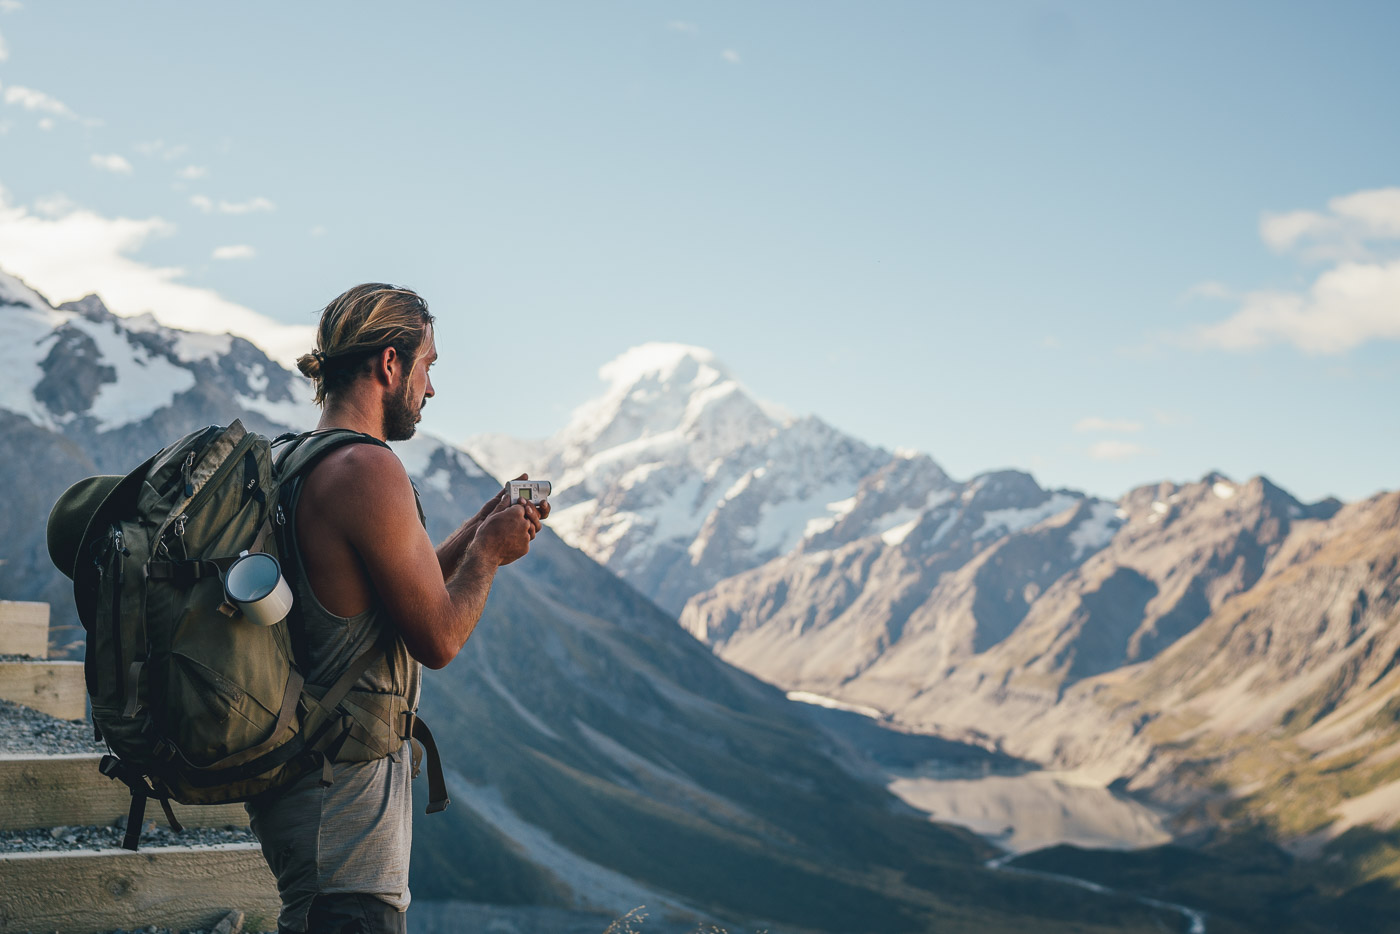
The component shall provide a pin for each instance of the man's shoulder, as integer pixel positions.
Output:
(358, 466)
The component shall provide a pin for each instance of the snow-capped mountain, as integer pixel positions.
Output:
(80, 369)
(676, 478)
(777, 534)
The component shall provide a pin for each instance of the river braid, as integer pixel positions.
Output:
(356, 327)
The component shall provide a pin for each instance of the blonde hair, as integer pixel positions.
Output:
(357, 326)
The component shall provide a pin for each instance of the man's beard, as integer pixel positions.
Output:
(400, 416)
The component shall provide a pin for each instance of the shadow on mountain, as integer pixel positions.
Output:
(889, 747)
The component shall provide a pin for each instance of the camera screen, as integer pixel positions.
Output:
(526, 493)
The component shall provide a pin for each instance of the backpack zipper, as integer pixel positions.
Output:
(219, 475)
(211, 484)
(118, 578)
(186, 471)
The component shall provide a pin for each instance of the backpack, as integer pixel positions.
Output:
(195, 702)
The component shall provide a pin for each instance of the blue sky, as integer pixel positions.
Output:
(1109, 243)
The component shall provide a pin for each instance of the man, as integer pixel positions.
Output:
(362, 561)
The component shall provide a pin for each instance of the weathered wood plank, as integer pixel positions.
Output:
(82, 891)
(68, 791)
(24, 628)
(56, 688)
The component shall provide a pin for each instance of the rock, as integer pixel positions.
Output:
(232, 923)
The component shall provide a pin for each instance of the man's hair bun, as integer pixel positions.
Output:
(310, 364)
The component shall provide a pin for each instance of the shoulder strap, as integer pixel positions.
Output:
(294, 456)
(300, 453)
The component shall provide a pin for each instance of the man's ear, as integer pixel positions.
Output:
(388, 364)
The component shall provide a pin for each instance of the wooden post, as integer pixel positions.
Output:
(24, 628)
(56, 688)
(181, 887)
(68, 791)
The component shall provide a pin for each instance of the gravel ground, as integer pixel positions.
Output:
(23, 729)
(96, 838)
(155, 930)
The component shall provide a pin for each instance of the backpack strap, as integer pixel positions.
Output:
(141, 792)
(437, 787)
(295, 457)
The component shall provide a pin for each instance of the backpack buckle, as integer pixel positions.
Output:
(110, 766)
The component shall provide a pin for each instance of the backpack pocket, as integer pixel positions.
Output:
(216, 717)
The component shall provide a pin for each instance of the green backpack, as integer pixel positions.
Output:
(196, 703)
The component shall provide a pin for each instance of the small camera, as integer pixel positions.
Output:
(529, 491)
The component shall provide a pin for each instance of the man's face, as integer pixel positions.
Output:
(404, 408)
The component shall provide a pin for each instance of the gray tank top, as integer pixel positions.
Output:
(332, 642)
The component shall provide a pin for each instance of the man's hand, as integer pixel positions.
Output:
(495, 503)
(505, 535)
(462, 542)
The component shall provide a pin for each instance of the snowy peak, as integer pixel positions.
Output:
(13, 291)
(89, 306)
(79, 367)
(661, 363)
(676, 477)
(669, 393)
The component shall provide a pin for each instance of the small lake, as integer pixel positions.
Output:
(1032, 810)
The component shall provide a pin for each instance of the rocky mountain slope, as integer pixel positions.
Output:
(599, 757)
(1289, 694)
(1178, 553)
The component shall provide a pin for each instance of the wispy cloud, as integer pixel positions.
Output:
(680, 25)
(1354, 300)
(29, 99)
(317, 231)
(239, 251)
(160, 149)
(1115, 450)
(730, 56)
(10, 6)
(111, 163)
(55, 205)
(4, 50)
(1171, 419)
(79, 251)
(251, 206)
(36, 101)
(1210, 290)
(1346, 230)
(1095, 423)
(191, 173)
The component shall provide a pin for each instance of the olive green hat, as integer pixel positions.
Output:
(72, 515)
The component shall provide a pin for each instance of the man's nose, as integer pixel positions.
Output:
(428, 393)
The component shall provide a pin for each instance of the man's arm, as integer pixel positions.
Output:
(378, 517)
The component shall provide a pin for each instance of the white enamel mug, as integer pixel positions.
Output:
(254, 583)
